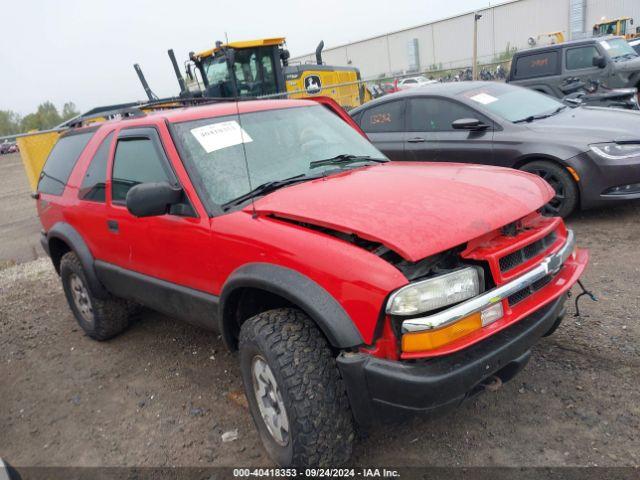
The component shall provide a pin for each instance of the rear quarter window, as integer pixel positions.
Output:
(537, 65)
(61, 160)
(388, 117)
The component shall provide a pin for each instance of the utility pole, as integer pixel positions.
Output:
(474, 68)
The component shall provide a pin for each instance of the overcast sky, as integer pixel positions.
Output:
(83, 51)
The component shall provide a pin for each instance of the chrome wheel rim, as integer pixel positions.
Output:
(269, 400)
(81, 298)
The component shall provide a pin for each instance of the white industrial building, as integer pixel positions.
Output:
(448, 43)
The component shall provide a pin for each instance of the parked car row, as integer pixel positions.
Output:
(8, 147)
(602, 71)
(590, 155)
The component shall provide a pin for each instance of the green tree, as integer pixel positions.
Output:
(9, 123)
(69, 111)
(44, 118)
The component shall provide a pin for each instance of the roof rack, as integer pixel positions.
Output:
(138, 109)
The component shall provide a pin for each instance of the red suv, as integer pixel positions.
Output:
(354, 288)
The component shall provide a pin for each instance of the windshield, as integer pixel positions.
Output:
(253, 68)
(618, 48)
(216, 70)
(510, 102)
(279, 144)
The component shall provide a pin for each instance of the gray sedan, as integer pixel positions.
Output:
(589, 155)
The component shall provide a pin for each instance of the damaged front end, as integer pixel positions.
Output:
(464, 295)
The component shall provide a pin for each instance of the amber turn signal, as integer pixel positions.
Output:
(432, 339)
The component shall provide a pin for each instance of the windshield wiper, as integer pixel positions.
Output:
(531, 118)
(345, 159)
(266, 188)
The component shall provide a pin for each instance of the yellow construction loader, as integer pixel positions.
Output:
(261, 69)
(621, 26)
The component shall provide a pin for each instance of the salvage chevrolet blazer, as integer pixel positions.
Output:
(355, 289)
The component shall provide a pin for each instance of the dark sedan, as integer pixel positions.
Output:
(590, 155)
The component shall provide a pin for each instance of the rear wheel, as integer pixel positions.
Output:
(101, 319)
(296, 395)
(565, 199)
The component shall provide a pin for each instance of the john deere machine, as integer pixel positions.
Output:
(261, 69)
(622, 26)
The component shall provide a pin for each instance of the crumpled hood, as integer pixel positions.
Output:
(591, 124)
(415, 209)
(632, 65)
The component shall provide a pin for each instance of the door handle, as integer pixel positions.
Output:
(416, 140)
(112, 225)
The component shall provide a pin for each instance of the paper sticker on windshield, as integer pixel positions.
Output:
(605, 45)
(220, 135)
(484, 98)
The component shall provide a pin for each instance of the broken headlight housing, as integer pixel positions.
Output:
(435, 292)
(616, 151)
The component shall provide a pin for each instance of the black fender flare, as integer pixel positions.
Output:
(69, 235)
(298, 289)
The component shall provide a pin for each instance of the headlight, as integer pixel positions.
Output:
(616, 151)
(436, 292)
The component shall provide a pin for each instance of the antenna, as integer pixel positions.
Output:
(244, 148)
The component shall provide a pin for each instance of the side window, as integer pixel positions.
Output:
(61, 160)
(94, 182)
(388, 117)
(581, 57)
(437, 115)
(537, 65)
(137, 160)
(269, 80)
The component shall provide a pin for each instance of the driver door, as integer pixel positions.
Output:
(173, 247)
(579, 63)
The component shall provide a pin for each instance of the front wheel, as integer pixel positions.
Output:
(296, 395)
(565, 199)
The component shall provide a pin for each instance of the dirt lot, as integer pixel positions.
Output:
(163, 393)
(18, 223)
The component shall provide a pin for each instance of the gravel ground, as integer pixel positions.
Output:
(19, 224)
(164, 393)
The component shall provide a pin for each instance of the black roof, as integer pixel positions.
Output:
(446, 89)
(569, 43)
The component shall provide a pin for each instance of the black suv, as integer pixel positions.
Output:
(609, 60)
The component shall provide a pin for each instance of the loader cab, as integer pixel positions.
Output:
(253, 68)
(622, 26)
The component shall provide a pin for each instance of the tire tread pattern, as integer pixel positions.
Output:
(111, 316)
(319, 413)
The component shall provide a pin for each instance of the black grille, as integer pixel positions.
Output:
(511, 261)
(530, 290)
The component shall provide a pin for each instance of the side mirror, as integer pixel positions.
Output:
(469, 124)
(599, 61)
(152, 199)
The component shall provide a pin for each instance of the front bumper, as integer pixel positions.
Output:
(388, 390)
(549, 265)
(598, 174)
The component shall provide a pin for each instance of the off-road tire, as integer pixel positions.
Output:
(111, 316)
(566, 199)
(321, 427)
